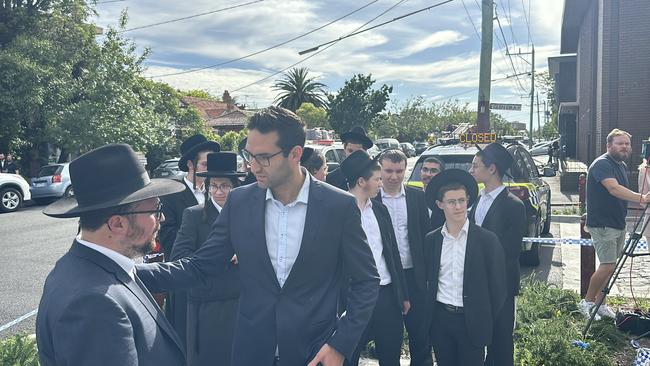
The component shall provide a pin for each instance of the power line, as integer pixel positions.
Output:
(191, 16)
(505, 41)
(266, 49)
(530, 39)
(508, 15)
(320, 51)
(109, 1)
(471, 21)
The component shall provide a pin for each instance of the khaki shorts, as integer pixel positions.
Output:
(608, 242)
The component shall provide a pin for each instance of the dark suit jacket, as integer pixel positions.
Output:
(93, 313)
(301, 316)
(173, 206)
(484, 289)
(507, 219)
(418, 227)
(195, 228)
(391, 252)
(337, 179)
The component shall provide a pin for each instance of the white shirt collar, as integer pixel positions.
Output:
(189, 184)
(402, 193)
(215, 204)
(494, 193)
(368, 204)
(303, 195)
(126, 263)
(463, 230)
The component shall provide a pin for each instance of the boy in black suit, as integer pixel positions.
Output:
(466, 274)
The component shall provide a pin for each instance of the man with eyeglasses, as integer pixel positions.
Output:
(292, 235)
(431, 167)
(465, 274)
(94, 309)
(501, 212)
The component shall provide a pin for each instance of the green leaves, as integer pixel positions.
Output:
(297, 88)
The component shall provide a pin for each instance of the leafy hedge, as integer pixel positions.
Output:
(19, 350)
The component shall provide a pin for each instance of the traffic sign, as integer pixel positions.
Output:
(505, 106)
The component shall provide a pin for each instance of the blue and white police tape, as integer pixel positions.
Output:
(642, 244)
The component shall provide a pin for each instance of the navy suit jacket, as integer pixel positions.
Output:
(93, 313)
(301, 316)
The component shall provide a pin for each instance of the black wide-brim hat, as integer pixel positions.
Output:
(448, 176)
(222, 165)
(358, 133)
(109, 176)
(499, 154)
(192, 146)
(354, 165)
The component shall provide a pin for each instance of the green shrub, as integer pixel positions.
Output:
(19, 350)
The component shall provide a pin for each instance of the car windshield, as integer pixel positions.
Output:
(462, 162)
(50, 170)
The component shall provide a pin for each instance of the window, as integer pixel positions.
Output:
(330, 155)
(49, 170)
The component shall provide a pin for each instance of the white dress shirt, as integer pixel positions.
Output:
(399, 215)
(284, 226)
(198, 193)
(126, 263)
(452, 266)
(485, 202)
(371, 228)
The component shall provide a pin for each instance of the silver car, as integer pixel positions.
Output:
(52, 182)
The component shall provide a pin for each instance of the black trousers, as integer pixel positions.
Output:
(500, 352)
(451, 341)
(417, 323)
(386, 328)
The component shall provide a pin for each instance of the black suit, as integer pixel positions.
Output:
(173, 206)
(484, 292)
(93, 313)
(418, 317)
(506, 218)
(299, 317)
(337, 179)
(212, 308)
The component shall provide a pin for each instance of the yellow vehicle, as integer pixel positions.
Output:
(523, 180)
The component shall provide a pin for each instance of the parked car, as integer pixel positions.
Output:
(14, 191)
(168, 169)
(523, 180)
(541, 148)
(333, 153)
(421, 147)
(51, 183)
(387, 143)
(407, 149)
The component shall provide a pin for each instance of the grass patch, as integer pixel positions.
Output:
(569, 210)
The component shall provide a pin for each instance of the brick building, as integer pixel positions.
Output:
(220, 116)
(602, 78)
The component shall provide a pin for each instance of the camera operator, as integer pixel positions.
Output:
(644, 186)
(607, 198)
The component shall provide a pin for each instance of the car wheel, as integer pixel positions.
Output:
(68, 192)
(10, 200)
(530, 258)
(547, 224)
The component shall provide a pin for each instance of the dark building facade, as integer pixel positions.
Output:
(602, 78)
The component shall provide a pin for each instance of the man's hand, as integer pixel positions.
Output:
(327, 356)
(406, 306)
(646, 198)
(234, 260)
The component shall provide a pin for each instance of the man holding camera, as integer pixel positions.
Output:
(607, 198)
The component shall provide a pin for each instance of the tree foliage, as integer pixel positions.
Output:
(357, 104)
(313, 116)
(296, 88)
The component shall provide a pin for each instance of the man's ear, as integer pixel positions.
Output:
(296, 152)
(117, 223)
(439, 204)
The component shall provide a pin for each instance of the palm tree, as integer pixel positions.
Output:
(297, 88)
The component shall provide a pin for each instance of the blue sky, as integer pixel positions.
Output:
(434, 54)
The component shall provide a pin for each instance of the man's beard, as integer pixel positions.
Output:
(620, 156)
(137, 250)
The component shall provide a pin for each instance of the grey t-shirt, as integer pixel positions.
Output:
(603, 209)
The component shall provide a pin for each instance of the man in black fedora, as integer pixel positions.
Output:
(194, 152)
(466, 274)
(386, 324)
(211, 308)
(354, 140)
(292, 235)
(501, 212)
(94, 309)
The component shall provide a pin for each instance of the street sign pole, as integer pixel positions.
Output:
(483, 112)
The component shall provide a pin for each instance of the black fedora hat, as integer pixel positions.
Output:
(357, 133)
(450, 176)
(499, 154)
(222, 165)
(354, 165)
(191, 146)
(106, 177)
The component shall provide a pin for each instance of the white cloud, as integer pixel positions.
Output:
(437, 39)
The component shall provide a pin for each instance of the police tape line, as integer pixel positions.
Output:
(642, 244)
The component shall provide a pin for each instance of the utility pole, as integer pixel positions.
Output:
(539, 127)
(532, 97)
(483, 112)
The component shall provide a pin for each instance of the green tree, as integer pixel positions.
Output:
(199, 93)
(296, 88)
(231, 139)
(313, 116)
(357, 104)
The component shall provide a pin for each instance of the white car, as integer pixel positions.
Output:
(14, 191)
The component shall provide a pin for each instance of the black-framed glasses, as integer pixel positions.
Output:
(158, 212)
(225, 188)
(262, 159)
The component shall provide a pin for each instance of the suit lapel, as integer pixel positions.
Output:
(472, 210)
(258, 219)
(491, 216)
(437, 253)
(469, 254)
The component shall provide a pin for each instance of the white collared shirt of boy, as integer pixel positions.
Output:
(399, 215)
(371, 228)
(452, 266)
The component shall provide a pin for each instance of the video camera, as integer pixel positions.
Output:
(645, 150)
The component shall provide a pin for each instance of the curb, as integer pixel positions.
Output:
(566, 219)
